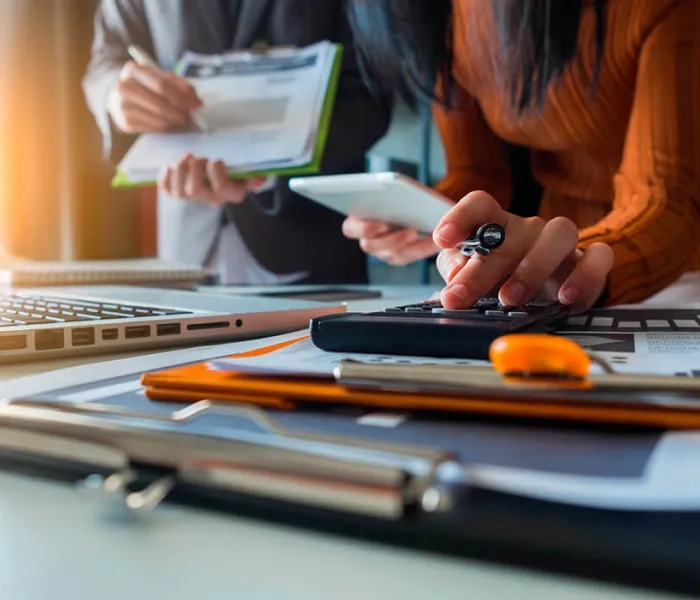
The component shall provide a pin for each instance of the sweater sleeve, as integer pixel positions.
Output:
(653, 224)
(475, 157)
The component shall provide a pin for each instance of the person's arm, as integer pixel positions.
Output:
(117, 24)
(476, 158)
(653, 226)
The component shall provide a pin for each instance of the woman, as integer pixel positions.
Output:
(605, 95)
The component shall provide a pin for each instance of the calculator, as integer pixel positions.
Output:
(431, 330)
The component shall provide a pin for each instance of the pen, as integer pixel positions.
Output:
(142, 58)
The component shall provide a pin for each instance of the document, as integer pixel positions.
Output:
(303, 359)
(264, 112)
(651, 353)
(641, 353)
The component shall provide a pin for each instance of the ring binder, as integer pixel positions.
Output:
(381, 480)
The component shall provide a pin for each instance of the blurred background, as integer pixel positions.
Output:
(55, 197)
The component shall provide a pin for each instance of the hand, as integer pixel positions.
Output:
(535, 256)
(208, 181)
(147, 100)
(394, 247)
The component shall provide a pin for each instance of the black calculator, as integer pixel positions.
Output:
(428, 329)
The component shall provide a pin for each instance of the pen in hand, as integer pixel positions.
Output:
(142, 58)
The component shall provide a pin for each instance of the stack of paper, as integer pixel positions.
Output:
(266, 113)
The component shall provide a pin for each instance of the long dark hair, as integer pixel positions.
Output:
(407, 45)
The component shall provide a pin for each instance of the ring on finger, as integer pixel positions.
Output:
(483, 240)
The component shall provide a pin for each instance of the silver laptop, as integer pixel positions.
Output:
(40, 323)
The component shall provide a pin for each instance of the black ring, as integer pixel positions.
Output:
(491, 236)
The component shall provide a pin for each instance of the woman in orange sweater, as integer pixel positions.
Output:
(604, 95)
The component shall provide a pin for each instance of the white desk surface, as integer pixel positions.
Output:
(55, 545)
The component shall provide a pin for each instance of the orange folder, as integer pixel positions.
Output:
(201, 382)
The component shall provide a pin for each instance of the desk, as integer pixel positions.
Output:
(55, 546)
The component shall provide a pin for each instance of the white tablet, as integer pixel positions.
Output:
(389, 197)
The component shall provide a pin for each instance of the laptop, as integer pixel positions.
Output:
(43, 323)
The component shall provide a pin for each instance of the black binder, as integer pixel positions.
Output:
(410, 486)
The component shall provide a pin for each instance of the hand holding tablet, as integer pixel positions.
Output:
(391, 215)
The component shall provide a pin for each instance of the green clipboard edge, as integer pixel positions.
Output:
(120, 180)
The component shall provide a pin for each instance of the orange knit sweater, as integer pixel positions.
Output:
(623, 164)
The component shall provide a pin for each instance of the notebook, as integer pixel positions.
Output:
(266, 112)
(21, 273)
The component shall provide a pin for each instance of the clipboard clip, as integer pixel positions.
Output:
(140, 457)
(521, 364)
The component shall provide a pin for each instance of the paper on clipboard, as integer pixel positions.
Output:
(265, 113)
(303, 359)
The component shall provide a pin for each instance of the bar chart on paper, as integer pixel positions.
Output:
(641, 340)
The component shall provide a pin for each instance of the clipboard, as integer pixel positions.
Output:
(651, 401)
(131, 446)
(400, 494)
(311, 167)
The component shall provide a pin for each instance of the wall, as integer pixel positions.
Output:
(55, 198)
(403, 143)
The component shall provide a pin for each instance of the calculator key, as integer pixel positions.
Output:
(487, 303)
(686, 324)
(658, 324)
(602, 322)
(518, 314)
(466, 312)
(394, 309)
(629, 325)
(496, 315)
(577, 321)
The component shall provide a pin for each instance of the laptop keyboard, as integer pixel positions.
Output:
(18, 309)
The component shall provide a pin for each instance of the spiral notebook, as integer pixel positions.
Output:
(108, 272)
